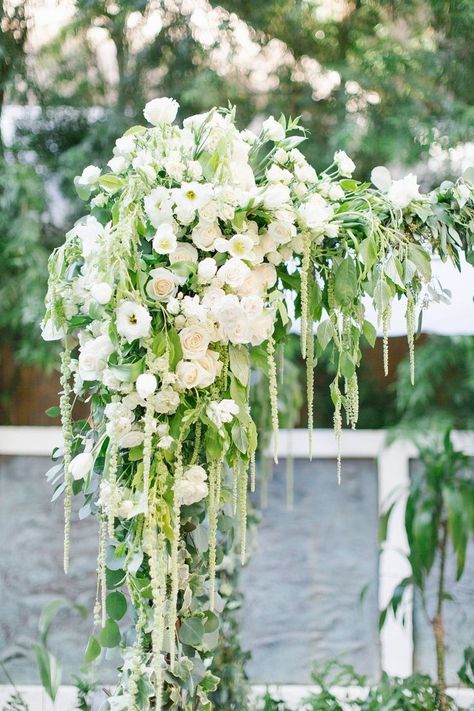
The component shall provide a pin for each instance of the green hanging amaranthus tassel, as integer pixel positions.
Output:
(273, 387)
(410, 321)
(66, 420)
(173, 612)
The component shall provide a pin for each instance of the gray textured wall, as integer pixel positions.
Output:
(304, 580)
(31, 566)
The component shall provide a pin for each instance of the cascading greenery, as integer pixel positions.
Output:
(199, 242)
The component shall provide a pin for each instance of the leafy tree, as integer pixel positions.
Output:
(439, 515)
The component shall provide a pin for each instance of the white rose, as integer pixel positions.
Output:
(275, 258)
(336, 192)
(306, 173)
(184, 252)
(262, 327)
(204, 235)
(163, 284)
(315, 213)
(189, 374)
(211, 367)
(345, 164)
(275, 196)
(273, 129)
(227, 309)
(402, 192)
(101, 292)
(207, 270)
(164, 241)
(252, 305)
(90, 175)
(161, 111)
(208, 213)
(281, 232)
(133, 321)
(234, 272)
(194, 342)
(93, 356)
(81, 465)
(238, 332)
(124, 146)
(166, 401)
(275, 174)
(146, 385)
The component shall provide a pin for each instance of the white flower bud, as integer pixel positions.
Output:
(102, 292)
(146, 385)
(81, 465)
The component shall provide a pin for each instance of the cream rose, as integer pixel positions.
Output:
(163, 284)
(184, 252)
(189, 374)
(194, 342)
(211, 367)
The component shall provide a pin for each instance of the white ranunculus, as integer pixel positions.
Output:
(240, 246)
(192, 487)
(273, 129)
(207, 270)
(346, 165)
(281, 232)
(133, 321)
(275, 196)
(81, 465)
(89, 176)
(162, 110)
(381, 178)
(194, 342)
(93, 356)
(315, 213)
(118, 164)
(146, 385)
(166, 401)
(163, 284)
(101, 292)
(189, 374)
(164, 241)
(184, 252)
(234, 272)
(402, 192)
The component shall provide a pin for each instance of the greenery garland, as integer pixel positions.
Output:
(199, 242)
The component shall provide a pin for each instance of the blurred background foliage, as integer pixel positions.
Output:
(383, 80)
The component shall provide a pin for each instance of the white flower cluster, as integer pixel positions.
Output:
(210, 232)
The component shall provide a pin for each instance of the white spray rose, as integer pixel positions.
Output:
(234, 272)
(184, 252)
(211, 366)
(346, 165)
(204, 235)
(275, 196)
(89, 176)
(315, 213)
(93, 356)
(161, 111)
(166, 401)
(189, 374)
(273, 129)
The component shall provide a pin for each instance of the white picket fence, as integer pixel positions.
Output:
(396, 640)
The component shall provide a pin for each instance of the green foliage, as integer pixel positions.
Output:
(466, 672)
(443, 392)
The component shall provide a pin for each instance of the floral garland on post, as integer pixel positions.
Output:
(197, 242)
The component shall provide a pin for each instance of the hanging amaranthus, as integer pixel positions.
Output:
(66, 420)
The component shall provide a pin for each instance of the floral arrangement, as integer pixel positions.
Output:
(199, 243)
